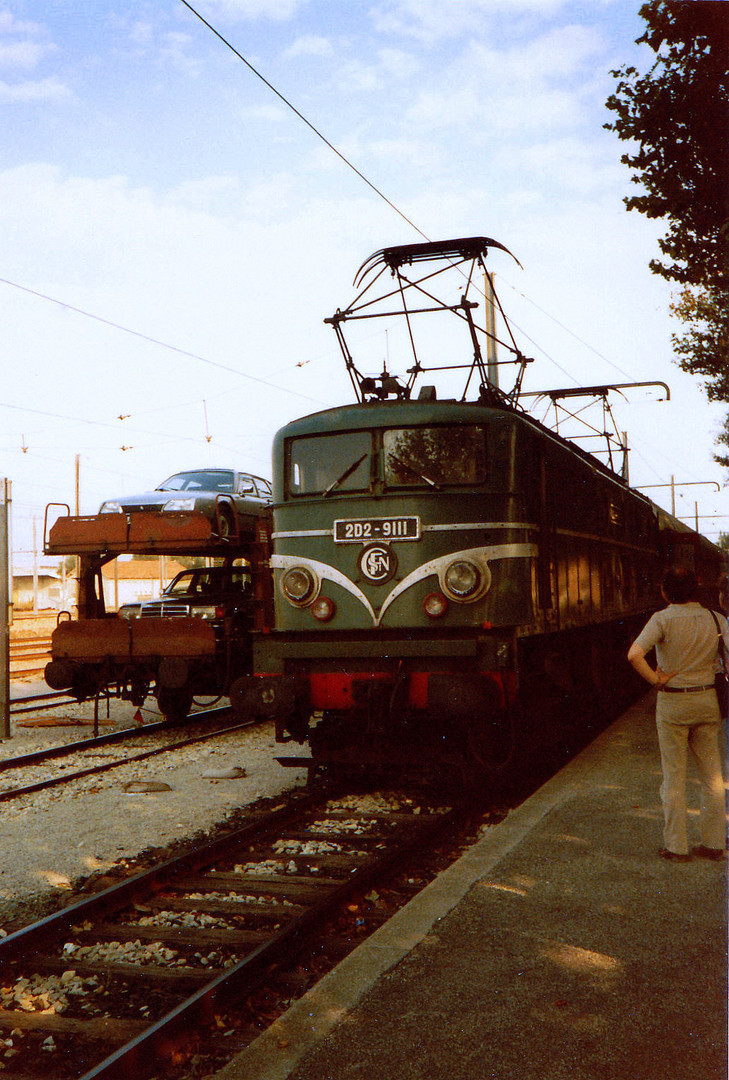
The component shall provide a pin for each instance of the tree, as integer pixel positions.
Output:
(678, 115)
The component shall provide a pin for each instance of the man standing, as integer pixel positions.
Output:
(686, 641)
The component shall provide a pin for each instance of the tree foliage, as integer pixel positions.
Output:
(676, 118)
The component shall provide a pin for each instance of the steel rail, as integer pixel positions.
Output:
(92, 770)
(45, 698)
(63, 749)
(403, 834)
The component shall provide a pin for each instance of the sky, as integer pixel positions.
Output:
(174, 235)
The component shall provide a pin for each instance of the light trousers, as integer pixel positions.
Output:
(675, 742)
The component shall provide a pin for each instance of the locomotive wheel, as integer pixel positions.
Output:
(489, 745)
(174, 704)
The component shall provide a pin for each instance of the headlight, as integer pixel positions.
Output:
(111, 508)
(299, 586)
(462, 579)
(205, 612)
(180, 504)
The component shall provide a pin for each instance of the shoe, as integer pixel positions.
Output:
(673, 856)
(715, 853)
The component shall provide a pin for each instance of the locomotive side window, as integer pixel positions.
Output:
(325, 464)
(431, 457)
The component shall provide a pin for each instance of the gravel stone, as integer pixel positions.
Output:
(53, 840)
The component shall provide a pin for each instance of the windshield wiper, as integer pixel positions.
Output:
(410, 469)
(345, 475)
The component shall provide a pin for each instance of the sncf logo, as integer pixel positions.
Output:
(378, 563)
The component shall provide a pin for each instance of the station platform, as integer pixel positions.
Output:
(558, 947)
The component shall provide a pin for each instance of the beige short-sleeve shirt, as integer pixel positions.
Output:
(686, 641)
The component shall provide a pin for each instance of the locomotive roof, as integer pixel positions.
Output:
(374, 414)
(407, 412)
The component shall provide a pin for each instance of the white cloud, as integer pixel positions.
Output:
(360, 77)
(433, 20)
(574, 165)
(398, 63)
(516, 91)
(563, 52)
(174, 50)
(25, 54)
(39, 90)
(275, 10)
(268, 113)
(309, 45)
(142, 33)
(10, 25)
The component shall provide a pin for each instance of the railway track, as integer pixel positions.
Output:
(126, 982)
(53, 699)
(29, 656)
(30, 762)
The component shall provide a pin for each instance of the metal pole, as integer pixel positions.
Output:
(35, 567)
(492, 367)
(4, 609)
(77, 509)
(673, 495)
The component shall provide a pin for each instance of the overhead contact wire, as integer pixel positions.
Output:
(156, 341)
(308, 123)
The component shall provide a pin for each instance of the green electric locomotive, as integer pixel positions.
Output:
(451, 579)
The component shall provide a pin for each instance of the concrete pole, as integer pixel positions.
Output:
(4, 609)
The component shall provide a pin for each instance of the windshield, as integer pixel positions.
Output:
(330, 463)
(208, 582)
(434, 456)
(210, 480)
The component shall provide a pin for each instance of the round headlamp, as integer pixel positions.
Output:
(462, 579)
(299, 585)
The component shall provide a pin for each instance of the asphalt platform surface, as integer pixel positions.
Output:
(558, 947)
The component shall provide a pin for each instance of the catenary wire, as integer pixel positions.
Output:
(157, 341)
(374, 188)
(301, 116)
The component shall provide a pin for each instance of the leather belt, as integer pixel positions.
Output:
(685, 689)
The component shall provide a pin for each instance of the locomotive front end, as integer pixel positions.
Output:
(402, 562)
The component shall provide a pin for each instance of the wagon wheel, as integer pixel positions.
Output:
(174, 704)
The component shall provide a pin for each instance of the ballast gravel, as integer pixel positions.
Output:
(53, 840)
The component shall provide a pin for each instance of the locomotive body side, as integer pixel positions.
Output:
(439, 569)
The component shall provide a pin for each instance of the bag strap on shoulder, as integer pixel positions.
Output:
(722, 647)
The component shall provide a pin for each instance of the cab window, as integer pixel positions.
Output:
(433, 457)
(326, 464)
